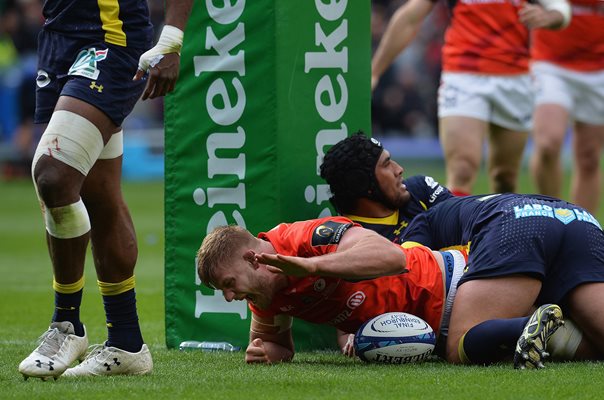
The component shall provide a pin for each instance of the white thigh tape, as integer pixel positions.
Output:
(67, 222)
(71, 139)
(114, 147)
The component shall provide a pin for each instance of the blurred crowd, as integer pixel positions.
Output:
(404, 103)
(20, 22)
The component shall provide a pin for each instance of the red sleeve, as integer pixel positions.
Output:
(308, 238)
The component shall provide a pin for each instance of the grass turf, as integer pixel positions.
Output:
(26, 307)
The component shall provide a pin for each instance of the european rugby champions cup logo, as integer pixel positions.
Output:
(86, 63)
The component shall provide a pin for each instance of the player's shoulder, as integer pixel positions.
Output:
(426, 189)
(418, 181)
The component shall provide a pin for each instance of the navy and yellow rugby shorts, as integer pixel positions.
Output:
(96, 72)
(559, 243)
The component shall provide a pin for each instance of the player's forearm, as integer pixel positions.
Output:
(177, 13)
(370, 257)
(401, 30)
(278, 353)
(277, 344)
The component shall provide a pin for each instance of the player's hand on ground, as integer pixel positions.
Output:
(256, 352)
(288, 265)
(348, 348)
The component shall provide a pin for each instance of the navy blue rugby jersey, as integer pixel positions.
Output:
(455, 222)
(425, 193)
(123, 23)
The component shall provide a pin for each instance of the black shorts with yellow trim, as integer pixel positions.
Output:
(96, 72)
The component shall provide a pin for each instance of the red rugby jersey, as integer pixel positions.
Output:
(486, 36)
(580, 46)
(344, 304)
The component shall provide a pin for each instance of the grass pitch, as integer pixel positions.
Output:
(26, 305)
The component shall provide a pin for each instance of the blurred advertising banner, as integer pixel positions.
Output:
(266, 86)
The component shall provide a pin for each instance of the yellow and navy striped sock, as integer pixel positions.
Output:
(68, 298)
(123, 329)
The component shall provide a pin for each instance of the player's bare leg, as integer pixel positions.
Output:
(481, 300)
(585, 304)
(550, 126)
(115, 253)
(113, 236)
(505, 156)
(586, 182)
(462, 140)
(68, 149)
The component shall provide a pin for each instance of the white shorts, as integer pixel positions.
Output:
(506, 101)
(581, 93)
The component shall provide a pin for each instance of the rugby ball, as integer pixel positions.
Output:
(394, 338)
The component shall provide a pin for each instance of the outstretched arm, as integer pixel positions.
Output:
(401, 29)
(361, 254)
(162, 62)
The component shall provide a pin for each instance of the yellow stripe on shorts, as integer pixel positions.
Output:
(112, 25)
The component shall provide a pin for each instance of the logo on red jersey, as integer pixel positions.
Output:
(356, 300)
(329, 232)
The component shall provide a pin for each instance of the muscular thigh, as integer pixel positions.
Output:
(463, 137)
(585, 304)
(588, 140)
(484, 299)
(102, 187)
(506, 147)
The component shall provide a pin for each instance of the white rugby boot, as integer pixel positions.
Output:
(104, 360)
(532, 344)
(58, 348)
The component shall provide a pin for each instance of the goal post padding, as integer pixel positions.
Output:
(266, 86)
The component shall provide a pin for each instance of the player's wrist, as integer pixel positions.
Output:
(170, 40)
(562, 7)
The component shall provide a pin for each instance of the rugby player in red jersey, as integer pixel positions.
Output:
(485, 91)
(356, 275)
(342, 274)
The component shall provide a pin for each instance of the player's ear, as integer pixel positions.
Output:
(250, 256)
